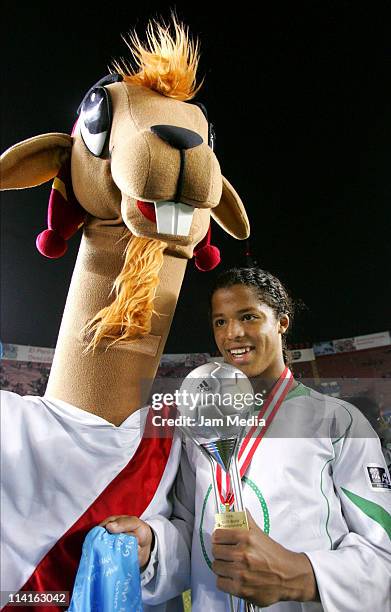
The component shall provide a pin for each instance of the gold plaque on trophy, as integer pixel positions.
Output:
(231, 520)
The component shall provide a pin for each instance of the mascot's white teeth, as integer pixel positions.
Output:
(173, 218)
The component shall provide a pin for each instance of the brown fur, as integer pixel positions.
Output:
(167, 64)
(125, 329)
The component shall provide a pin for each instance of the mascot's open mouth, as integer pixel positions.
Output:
(170, 217)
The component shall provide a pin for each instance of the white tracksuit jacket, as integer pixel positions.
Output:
(317, 484)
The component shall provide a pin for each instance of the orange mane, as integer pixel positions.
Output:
(129, 316)
(166, 63)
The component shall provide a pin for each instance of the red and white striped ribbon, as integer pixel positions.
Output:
(254, 436)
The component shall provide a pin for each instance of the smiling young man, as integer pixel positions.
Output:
(319, 525)
(319, 536)
(248, 332)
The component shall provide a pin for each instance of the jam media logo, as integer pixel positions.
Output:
(378, 477)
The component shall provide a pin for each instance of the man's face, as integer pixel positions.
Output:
(247, 332)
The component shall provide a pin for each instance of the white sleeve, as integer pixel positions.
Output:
(184, 497)
(168, 572)
(356, 574)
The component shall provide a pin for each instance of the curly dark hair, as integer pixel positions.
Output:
(269, 289)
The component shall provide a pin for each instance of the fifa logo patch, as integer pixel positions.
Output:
(378, 477)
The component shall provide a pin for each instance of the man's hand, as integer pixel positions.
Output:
(250, 565)
(132, 525)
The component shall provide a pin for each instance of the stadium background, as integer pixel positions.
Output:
(356, 369)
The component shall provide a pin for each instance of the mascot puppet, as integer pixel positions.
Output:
(140, 175)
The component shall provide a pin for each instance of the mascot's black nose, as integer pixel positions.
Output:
(179, 138)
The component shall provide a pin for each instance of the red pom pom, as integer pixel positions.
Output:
(51, 244)
(207, 258)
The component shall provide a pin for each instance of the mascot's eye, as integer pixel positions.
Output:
(95, 119)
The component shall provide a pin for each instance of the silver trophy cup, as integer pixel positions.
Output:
(215, 401)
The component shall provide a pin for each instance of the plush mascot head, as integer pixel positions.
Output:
(140, 175)
(141, 157)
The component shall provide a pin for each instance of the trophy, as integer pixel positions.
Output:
(214, 403)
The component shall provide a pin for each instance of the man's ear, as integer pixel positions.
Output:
(230, 213)
(283, 324)
(34, 161)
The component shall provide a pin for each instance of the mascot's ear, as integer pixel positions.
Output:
(34, 161)
(230, 213)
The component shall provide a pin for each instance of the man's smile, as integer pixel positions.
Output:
(240, 354)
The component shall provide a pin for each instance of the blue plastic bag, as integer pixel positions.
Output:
(108, 578)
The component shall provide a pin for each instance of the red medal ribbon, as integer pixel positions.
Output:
(254, 436)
